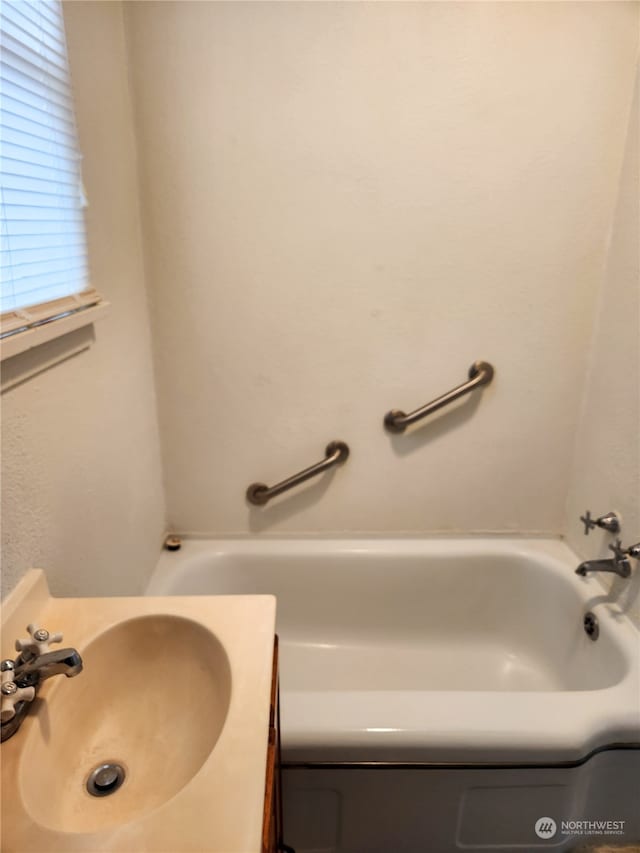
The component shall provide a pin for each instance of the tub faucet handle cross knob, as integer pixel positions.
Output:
(610, 522)
(619, 552)
(588, 522)
(39, 640)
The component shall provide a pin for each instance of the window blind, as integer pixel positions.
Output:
(43, 252)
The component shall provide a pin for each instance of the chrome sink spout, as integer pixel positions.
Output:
(32, 671)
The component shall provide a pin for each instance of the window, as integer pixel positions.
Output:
(43, 258)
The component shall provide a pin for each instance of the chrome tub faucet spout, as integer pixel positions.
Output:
(619, 564)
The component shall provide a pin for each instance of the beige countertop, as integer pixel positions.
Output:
(176, 689)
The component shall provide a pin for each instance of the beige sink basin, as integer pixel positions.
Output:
(175, 690)
(153, 697)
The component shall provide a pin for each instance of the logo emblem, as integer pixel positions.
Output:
(545, 827)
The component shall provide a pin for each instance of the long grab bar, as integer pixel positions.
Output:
(336, 453)
(480, 373)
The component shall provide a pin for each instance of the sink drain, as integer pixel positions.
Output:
(105, 779)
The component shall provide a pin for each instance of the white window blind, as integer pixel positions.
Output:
(43, 252)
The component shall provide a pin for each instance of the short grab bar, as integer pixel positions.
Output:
(336, 452)
(480, 373)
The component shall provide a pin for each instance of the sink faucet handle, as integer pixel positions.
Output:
(39, 641)
(11, 693)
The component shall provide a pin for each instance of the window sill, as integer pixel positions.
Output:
(23, 341)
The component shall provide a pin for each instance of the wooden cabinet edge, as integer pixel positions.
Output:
(271, 829)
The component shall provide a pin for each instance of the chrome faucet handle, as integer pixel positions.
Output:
(619, 552)
(39, 641)
(11, 693)
(610, 522)
(588, 522)
(634, 551)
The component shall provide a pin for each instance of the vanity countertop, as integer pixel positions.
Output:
(177, 690)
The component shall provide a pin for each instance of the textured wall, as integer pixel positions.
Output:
(606, 473)
(345, 204)
(81, 488)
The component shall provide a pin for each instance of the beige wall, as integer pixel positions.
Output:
(606, 473)
(82, 489)
(345, 205)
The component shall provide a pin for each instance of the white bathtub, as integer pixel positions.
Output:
(431, 649)
(430, 686)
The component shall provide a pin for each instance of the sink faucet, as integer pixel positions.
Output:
(618, 564)
(22, 677)
(32, 672)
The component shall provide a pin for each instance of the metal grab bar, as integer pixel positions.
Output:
(337, 452)
(480, 373)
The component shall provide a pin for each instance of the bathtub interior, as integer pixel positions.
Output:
(350, 620)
